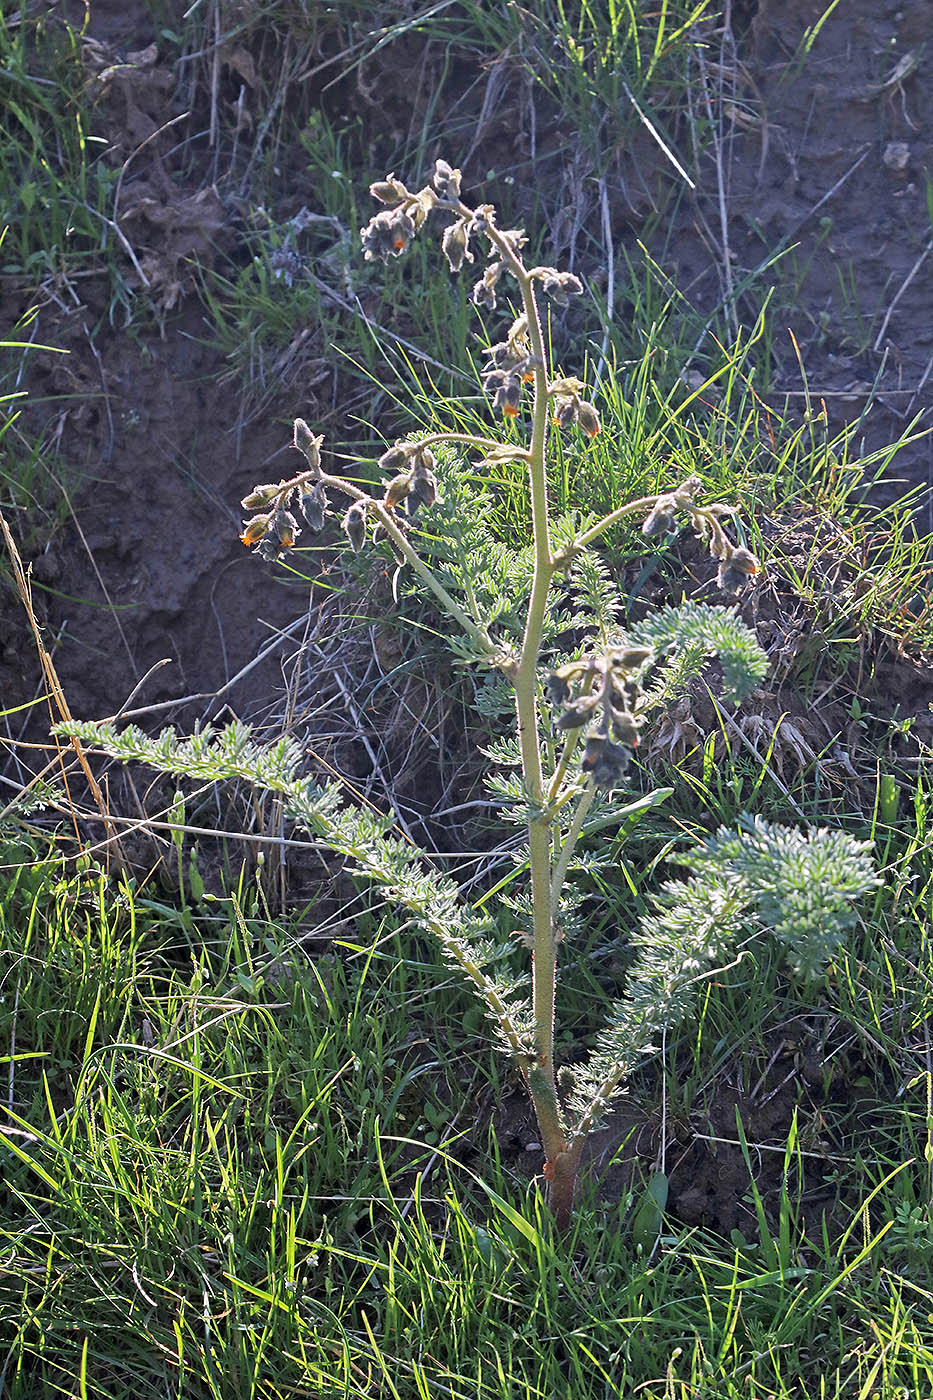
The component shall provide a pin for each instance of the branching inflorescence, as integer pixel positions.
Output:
(578, 718)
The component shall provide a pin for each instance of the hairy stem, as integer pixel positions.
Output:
(570, 841)
(542, 1081)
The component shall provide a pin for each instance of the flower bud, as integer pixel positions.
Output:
(735, 568)
(560, 286)
(259, 496)
(446, 180)
(577, 712)
(396, 490)
(744, 560)
(423, 490)
(484, 291)
(565, 412)
(625, 728)
(660, 519)
(556, 690)
(354, 524)
(455, 245)
(253, 530)
(423, 480)
(270, 550)
(313, 505)
(630, 658)
(389, 190)
(387, 234)
(505, 355)
(286, 527)
(588, 419)
(508, 397)
(308, 445)
(396, 457)
(403, 231)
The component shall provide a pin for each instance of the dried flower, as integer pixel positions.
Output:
(605, 761)
(735, 568)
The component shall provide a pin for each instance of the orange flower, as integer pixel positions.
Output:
(509, 410)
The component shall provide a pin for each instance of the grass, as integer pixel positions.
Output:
(238, 1165)
(54, 184)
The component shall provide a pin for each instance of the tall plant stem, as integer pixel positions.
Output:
(542, 1081)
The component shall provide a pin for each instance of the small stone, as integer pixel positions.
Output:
(533, 1147)
(896, 155)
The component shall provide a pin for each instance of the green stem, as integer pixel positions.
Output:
(542, 1082)
(570, 841)
(482, 444)
(607, 522)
